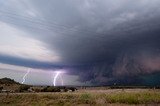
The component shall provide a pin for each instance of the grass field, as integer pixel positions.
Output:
(113, 97)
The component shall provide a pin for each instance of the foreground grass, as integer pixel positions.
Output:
(77, 98)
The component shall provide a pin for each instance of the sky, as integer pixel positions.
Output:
(91, 42)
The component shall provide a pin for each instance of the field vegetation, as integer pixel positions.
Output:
(84, 97)
(15, 94)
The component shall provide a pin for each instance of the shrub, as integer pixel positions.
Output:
(23, 88)
(72, 88)
(51, 89)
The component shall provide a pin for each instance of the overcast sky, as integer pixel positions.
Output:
(95, 42)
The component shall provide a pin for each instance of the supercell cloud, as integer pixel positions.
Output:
(101, 42)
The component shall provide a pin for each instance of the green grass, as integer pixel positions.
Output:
(74, 99)
(134, 98)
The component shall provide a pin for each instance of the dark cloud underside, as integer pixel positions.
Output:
(103, 42)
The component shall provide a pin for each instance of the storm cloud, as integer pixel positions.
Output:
(102, 42)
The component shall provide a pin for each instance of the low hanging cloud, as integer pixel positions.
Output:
(102, 42)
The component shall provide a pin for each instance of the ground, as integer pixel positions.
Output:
(84, 97)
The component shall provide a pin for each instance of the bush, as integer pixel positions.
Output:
(72, 88)
(51, 89)
(56, 90)
(36, 89)
(23, 88)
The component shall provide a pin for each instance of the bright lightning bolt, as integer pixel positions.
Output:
(24, 77)
(55, 78)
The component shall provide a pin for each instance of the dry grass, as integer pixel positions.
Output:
(83, 98)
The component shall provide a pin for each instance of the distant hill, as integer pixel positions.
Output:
(8, 81)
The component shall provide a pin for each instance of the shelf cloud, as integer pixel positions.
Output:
(101, 42)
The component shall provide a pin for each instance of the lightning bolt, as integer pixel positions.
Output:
(24, 77)
(55, 78)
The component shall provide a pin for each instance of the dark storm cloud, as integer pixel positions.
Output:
(105, 38)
